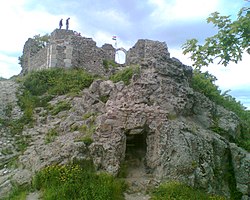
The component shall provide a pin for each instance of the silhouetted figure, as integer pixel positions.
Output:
(67, 24)
(60, 24)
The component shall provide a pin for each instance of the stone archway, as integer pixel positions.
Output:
(120, 55)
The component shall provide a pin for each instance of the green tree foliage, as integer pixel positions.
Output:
(42, 41)
(232, 39)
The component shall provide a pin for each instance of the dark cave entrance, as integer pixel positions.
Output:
(136, 149)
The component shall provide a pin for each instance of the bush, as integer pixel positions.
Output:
(60, 106)
(57, 81)
(179, 191)
(77, 182)
(125, 75)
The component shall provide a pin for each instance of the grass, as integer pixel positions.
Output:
(37, 89)
(76, 181)
(107, 64)
(51, 135)
(125, 75)
(60, 106)
(87, 129)
(68, 182)
(18, 193)
(179, 191)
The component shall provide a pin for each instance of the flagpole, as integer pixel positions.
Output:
(115, 38)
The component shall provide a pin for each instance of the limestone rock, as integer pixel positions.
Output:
(241, 165)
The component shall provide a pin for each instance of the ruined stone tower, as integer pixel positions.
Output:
(65, 49)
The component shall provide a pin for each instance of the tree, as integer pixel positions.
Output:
(42, 41)
(231, 41)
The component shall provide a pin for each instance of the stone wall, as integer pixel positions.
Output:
(147, 49)
(65, 49)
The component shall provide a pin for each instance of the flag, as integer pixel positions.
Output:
(114, 37)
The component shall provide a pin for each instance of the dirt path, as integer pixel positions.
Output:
(138, 180)
(137, 196)
(33, 196)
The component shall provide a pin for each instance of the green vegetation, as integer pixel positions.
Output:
(204, 83)
(107, 64)
(235, 194)
(125, 75)
(18, 193)
(57, 81)
(40, 87)
(77, 182)
(179, 191)
(228, 44)
(104, 98)
(87, 129)
(60, 106)
(51, 135)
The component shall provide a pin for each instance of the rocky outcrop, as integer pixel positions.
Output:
(9, 111)
(157, 124)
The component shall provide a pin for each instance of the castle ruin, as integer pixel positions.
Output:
(66, 49)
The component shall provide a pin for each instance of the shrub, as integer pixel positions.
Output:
(57, 81)
(77, 182)
(107, 64)
(60, 106)
(125, 75)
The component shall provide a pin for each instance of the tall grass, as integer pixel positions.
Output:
(179, 191)
(125, 75)
(73, 182)
(57, 81)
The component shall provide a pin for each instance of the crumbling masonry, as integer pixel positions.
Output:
(65, 49)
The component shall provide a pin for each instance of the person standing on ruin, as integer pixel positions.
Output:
(67, 24)
(60, 24)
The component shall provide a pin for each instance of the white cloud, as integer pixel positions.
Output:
(234, 77)
(19, 24)
(8, 66)
(167, 11)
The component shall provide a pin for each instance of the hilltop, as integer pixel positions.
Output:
(142, 120)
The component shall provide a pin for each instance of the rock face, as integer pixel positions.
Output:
(157, 124)
(9, 111)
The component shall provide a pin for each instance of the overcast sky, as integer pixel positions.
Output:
(172, 21)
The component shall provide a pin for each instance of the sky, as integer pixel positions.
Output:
(170, 21)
